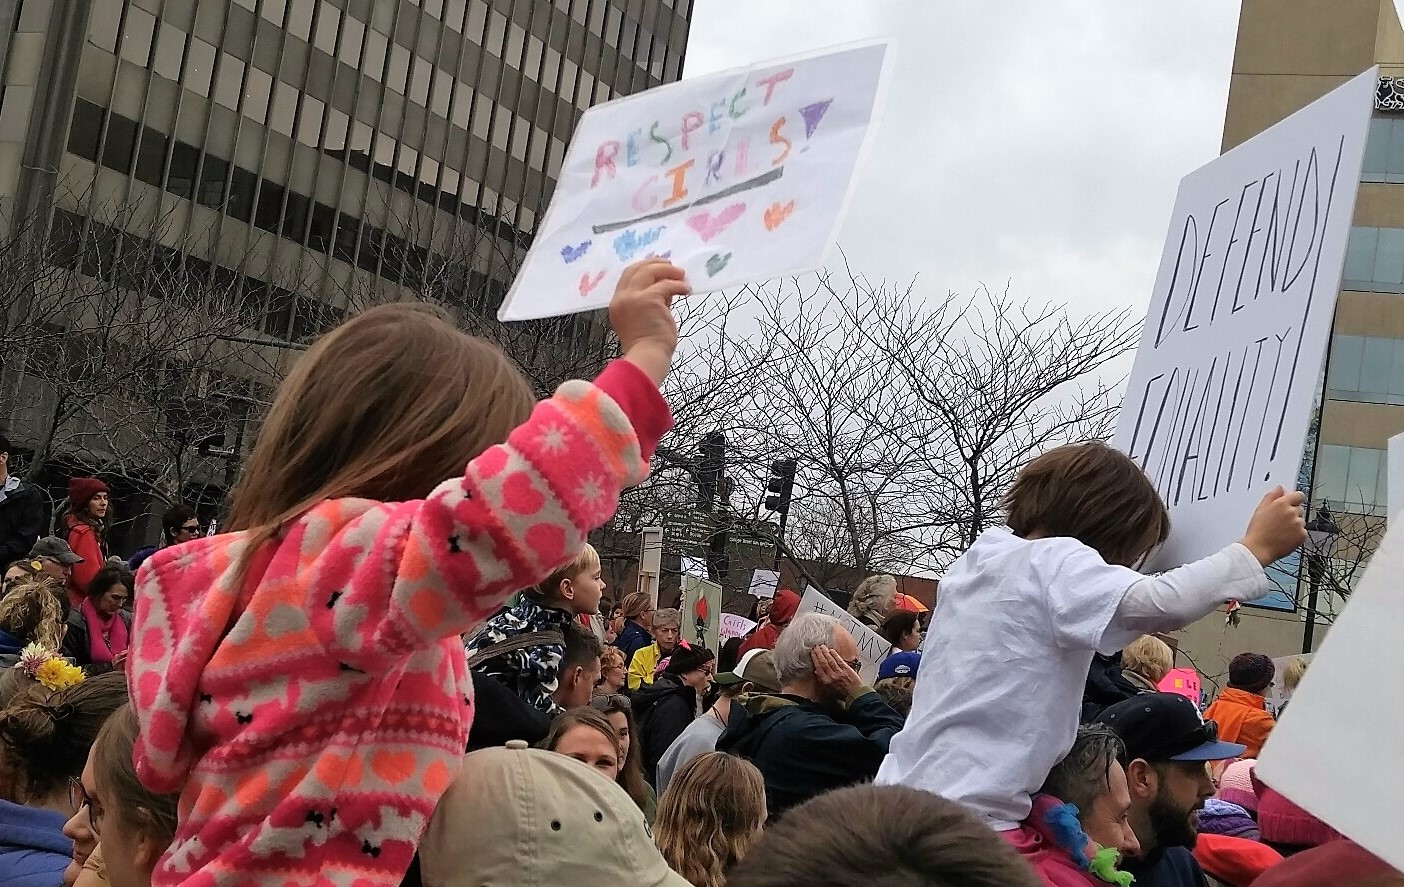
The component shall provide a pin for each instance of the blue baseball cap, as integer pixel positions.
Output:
(900, 665)
(1158, 727)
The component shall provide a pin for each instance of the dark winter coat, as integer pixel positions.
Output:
(631, 640)
(1106, 686)
(499, 715)
(804, 749)
(1170, 867)
(532, 673)
(663, 710)
(21, 521)
(10, 647)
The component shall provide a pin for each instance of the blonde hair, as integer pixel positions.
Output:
(1149, 657)
(874, 599)
(612, 657)
(386, 406)
(710, 813)
(32, 612)
(1294, 672)
(587, 560)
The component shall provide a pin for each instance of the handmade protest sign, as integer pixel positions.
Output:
(701, 611)
(1220, 398)
(695, 566)
(1184, 681)
(1324, 753)
(764, 583)
(872, 647)
(734, 625)
(736, 177)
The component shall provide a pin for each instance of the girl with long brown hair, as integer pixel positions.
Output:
(324, 628)
(619, 712)
(86, 517)
(708, 817)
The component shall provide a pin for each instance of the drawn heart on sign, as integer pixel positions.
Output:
(776, 215)
(571, 253)
(589, 282)
(628, 244)
(709, 226)
(716, 263)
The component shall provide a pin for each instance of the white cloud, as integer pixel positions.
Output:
(1030, 142)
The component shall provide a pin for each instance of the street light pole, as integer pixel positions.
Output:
(1316, 568)
(1322, 531)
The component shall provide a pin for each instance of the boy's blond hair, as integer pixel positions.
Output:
(1149, 657)
(588, 559)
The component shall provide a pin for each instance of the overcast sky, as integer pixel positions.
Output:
(1031, 142)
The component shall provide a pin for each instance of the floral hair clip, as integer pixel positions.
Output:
(52, 671)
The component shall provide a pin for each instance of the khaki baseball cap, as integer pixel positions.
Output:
(525, 817)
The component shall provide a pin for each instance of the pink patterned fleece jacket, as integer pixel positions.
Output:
(312, 715)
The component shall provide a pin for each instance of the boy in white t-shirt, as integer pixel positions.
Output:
(1021, 613)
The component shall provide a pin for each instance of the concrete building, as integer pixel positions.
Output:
(302, 152)
(1289, 53)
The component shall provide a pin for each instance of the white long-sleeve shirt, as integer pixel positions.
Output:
(1005, 661)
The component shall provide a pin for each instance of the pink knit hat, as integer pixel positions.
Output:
(1236, 785)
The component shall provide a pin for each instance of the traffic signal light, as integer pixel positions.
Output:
(780, 486)
(710, 466)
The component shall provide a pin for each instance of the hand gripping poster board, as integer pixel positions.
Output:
(1326, 751)
(736, 177)
(1220, 398)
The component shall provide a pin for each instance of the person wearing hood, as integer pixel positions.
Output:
(874, 600)
(1241, 709)
(768, 634)
(665, 708)
(825, 729)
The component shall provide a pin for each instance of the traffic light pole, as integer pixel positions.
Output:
(780, 539)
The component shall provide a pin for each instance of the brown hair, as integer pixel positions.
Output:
(124, 796)
(914, 838)
(635, 605)
(580, 648)
(584, 716)
(386, 406)
(631, 771)
(1091, 493)
(897, 625)
(897, 695)
(45, 737)
(708, 817)
(31, 612)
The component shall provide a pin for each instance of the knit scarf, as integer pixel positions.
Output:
(107, 635)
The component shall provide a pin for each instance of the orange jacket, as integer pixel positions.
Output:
(1243, 718)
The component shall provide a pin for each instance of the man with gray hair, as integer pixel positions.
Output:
(825, 729)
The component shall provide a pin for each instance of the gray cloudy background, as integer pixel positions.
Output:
(1034, 143)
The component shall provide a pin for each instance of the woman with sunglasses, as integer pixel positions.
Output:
(620, 714)
(45, 737)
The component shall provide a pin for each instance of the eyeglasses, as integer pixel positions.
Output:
(607, 702)
(78, 799)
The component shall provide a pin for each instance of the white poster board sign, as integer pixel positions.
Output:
(695, 566)
(872, 647)
(1219, 401)
(736, 177)
(764, 583)
(1324, 753)
(734, 625)
(1394, 463)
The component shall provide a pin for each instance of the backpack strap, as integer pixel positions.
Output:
(523, 641)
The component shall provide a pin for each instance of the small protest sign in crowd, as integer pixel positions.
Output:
(382, 671)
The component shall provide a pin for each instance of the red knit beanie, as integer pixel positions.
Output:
(1235, 861)
(82, 489)
(1283, 822)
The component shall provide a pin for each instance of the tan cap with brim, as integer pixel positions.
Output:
(524, 817)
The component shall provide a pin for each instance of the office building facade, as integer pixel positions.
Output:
(1288, 54)
(310, 154)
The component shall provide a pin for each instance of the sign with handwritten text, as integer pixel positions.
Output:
(734, 625)
(1184, 681)
(1219, 401)
(736, 177)
(872, 647)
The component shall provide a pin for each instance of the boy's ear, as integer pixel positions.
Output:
(566, 590)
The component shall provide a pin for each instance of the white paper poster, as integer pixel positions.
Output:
(734, 625)
(736, 177)
(695, 566)
(1220, 399)
(764, 583)
(872, 647)
(1394, 462)
(1325, 752)
(1276, 695)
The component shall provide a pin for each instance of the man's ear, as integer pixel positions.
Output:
(1142, 779)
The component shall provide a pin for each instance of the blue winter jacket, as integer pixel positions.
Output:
(33, 850)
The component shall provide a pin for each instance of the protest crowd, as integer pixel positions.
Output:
(381, 672)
